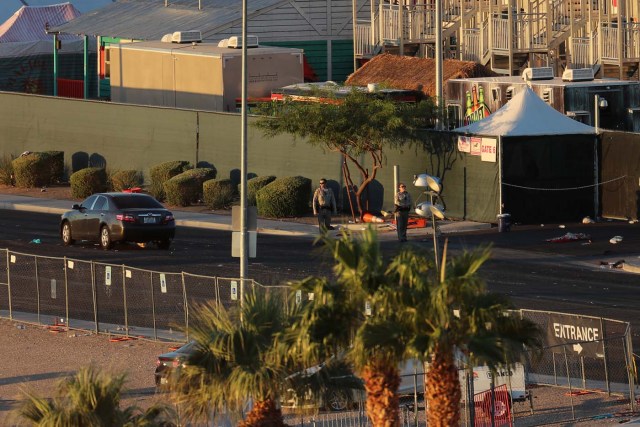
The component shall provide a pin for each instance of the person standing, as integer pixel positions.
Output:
(403, 204)
(324, 204)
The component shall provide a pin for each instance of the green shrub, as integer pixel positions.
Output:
(123, 179)
(255, 184)
(284, 197)
(6, 170)
(87, 181)
(186, 188)
(218, 194)
(31, 170)
(201, 174)
(161, 173)
(55, 159)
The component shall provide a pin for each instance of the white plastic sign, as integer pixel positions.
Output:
(298, 297)
(163, 283)
(107, 275)
(54, 293)
(234, 290)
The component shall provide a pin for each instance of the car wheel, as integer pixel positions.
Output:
(66, 234)
(105, 238)
(164, 244)
(337, 400)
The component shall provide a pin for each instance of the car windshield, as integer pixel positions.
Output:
(139, 201)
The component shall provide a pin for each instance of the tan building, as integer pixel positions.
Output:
(199, 76)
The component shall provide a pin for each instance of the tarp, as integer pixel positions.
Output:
(620, 175)
(526, 114)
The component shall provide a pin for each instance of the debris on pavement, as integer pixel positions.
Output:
(570, 237)
(617, 264)
(615, 239)
(587, 220)
(36, 241)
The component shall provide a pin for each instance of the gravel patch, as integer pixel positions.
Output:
(37, 359)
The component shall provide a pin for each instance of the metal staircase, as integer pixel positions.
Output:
(510, 35)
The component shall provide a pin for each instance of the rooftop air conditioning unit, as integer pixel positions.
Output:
(577, 75)
(186, 37)
(235, 42)
(540, 73)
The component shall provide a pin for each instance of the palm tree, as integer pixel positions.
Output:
(239, 356)
(455, 315)
(89, 398)
(361, 314)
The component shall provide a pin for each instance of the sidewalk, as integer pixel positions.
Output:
(223, 222)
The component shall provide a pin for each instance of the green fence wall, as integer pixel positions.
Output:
(136, 137)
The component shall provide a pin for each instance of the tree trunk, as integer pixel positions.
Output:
(443, 390)
(381, 381)
(264, 413)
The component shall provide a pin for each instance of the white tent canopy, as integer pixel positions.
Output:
(24, 34)
(526, 114)
(9, 7)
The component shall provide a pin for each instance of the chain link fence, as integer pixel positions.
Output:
(586, 367)
(110, 299)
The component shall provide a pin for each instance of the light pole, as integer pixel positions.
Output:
(243, 159)
(438, 54)
(426, 209)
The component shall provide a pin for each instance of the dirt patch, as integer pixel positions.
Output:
(36, 359)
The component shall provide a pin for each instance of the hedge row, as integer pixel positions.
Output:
(175, 182)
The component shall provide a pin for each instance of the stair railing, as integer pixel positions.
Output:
(609, 41)
(363, 44)
(632, 41)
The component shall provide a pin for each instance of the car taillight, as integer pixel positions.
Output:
(168, 218)
(159, 362)
(125, 218)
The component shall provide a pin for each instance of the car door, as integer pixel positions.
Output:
(79, 222)
(94, 217)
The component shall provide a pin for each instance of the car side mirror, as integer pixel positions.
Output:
(76, 207)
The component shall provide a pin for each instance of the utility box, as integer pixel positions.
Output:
(202, 76)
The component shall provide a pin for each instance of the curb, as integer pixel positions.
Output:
(631, 268)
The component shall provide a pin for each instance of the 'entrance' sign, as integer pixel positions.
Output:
(583, 335)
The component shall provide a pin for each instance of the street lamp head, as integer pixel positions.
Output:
(437, 211)
(422, 209)
(428, 209)
(425, 180)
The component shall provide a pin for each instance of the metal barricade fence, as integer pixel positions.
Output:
(109, 298)
(127, 301)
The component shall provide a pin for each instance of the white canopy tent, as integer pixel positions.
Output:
(545, 163)
(9, 7)
(24, 33)
(526, 114)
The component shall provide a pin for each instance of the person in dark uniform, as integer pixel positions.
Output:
(403, 204)
(324, 204)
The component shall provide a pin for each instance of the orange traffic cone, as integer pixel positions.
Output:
(368, 217)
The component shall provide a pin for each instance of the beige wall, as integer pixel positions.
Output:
(138, 137)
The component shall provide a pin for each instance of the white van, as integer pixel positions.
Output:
(412, 378)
